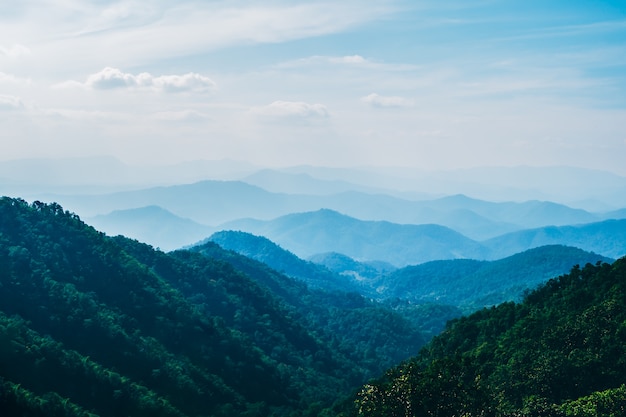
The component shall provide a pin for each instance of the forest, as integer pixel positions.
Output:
(92, 325)
(108, 326)
(560, 352)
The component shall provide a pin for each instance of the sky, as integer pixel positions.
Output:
(427, 84)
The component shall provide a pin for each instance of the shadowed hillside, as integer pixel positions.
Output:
(93, 325)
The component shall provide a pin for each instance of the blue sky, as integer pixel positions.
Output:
(431, 85)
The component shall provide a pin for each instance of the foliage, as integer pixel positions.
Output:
(97, 326)
(471, 284)
(373, 335)
(561, 352)
(269, 253)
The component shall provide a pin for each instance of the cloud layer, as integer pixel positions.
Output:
(8, 102)
(391, 82)
(14, 51)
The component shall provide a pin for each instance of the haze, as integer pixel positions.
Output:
(425, 84)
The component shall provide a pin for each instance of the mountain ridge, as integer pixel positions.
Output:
(467, 284)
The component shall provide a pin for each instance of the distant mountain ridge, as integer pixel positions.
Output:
(212, 203)
(307, 234)
(607, 237)
(151, 224)
(591, 189)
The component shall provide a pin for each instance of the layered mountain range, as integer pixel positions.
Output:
(283, 292)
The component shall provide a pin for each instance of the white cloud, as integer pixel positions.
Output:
(12, 79)
(110, 78)
(10, 103)
(15, 51)
(293, 109)
(191, 82)
(113, 78)
(387, 101)
(349, 59)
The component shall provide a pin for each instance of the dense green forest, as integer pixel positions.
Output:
(269, 253)
(92, 325)
(471, 284)
(95, 325)
(465, 284)
(561, 352)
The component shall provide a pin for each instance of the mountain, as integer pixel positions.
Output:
(584, 188)
(215, 202)
(615, 214)
(593, 190)
(527, 214)
(153, 225)
(92, 325)
(360, 271)
(607, 238)
(306, 234)
(464, 283)
(471, 284)
(558, 353)
(267, 252)
(354, 324)
(205, 202)
(168, 230)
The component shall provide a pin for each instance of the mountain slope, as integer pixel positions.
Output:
(267, 252)
(153, 225)
(463, 283)
(370, 333)
(307, 234)
(109, 333)
(607, 238)
(93, 325)
(559, 353)
(471, 284)
(342, 264)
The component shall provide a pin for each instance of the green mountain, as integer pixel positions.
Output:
(465, 283)
(561, 352)
(97, 326)
(371, 333)
(416, 320)
(269, 253)
(471, 284)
